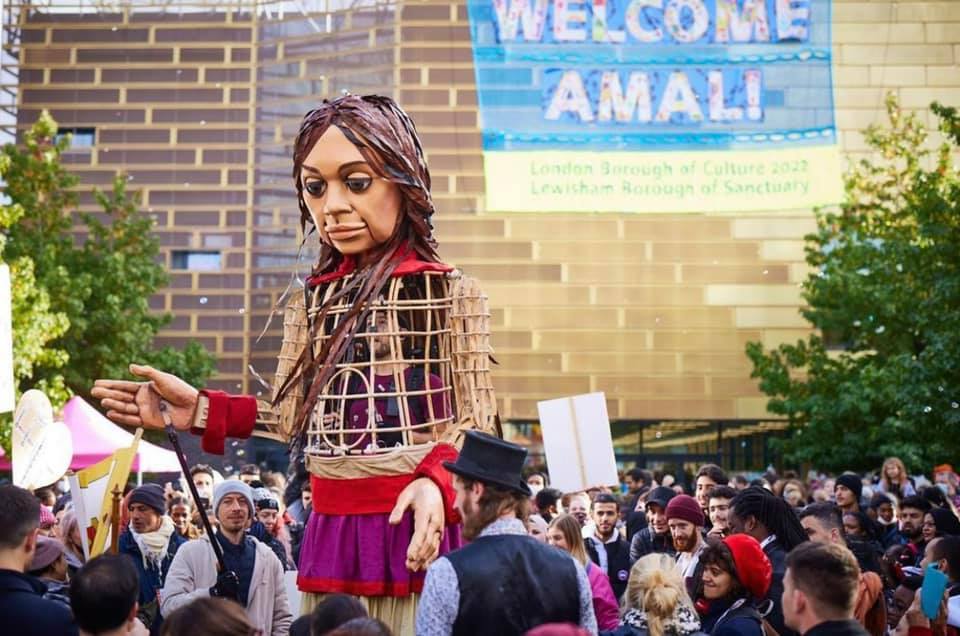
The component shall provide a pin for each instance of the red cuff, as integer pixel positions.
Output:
(227, 416)
(241, 416)
(917, 630)
(432, 467)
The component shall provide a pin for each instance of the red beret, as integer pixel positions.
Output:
(753, 567)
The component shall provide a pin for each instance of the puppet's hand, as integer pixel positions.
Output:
(423, 496)
(138, 403)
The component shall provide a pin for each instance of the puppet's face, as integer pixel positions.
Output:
(353, 208)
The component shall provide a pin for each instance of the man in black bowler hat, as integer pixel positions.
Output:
(503, 582)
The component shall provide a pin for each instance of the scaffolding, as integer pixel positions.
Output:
(9, 71)
(313, 16)
(265, 9)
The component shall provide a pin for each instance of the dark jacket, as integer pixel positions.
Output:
(24, 610)
(297, 530)
(259, 532)
(778, 560)
(869, 554)
(501, 586)
(637, 519)
(732, 619)
(618, 563)
(838, 628)
(647, 542)
(151, 578)
(890, 535)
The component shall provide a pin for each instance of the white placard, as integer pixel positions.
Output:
(7, 397)
(293, 592)
(577, 442)
(41, 448)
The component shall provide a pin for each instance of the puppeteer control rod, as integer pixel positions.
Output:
(172, 434)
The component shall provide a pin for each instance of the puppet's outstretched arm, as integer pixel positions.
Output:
(214, 414)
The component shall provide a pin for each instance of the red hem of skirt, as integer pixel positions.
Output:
(357, 588)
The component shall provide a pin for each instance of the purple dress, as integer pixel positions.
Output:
(349, 545)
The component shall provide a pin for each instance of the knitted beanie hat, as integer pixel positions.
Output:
(151, 496)
(232, 486)
(47, 520)
(264, 499)
(686, 508)
(753, 567)
(853, 482)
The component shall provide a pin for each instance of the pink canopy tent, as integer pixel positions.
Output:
(95, 437)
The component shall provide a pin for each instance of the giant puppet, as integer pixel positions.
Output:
(384, 364)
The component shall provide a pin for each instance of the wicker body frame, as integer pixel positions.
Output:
(434, 378)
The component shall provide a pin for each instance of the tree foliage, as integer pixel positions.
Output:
(83, 281)
(885, 282)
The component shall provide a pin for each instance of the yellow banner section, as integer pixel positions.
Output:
(651, 182)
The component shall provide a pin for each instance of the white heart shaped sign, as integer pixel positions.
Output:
(41, 449)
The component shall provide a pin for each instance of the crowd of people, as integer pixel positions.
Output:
(664, 555)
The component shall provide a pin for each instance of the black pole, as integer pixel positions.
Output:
(172, 434)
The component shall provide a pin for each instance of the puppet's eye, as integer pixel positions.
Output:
(358, 184)
(315, 187)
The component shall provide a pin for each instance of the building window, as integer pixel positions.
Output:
(202, 261)
(82, 137)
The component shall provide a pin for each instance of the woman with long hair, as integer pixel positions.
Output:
(894, 479)
(565, 533)
(736, 578)
(656, 601)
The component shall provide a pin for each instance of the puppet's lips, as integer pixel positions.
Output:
(345, 230)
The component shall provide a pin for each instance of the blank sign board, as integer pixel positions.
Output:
(577, 442)
(6, 343)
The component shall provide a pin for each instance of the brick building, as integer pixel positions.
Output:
(198, 104)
